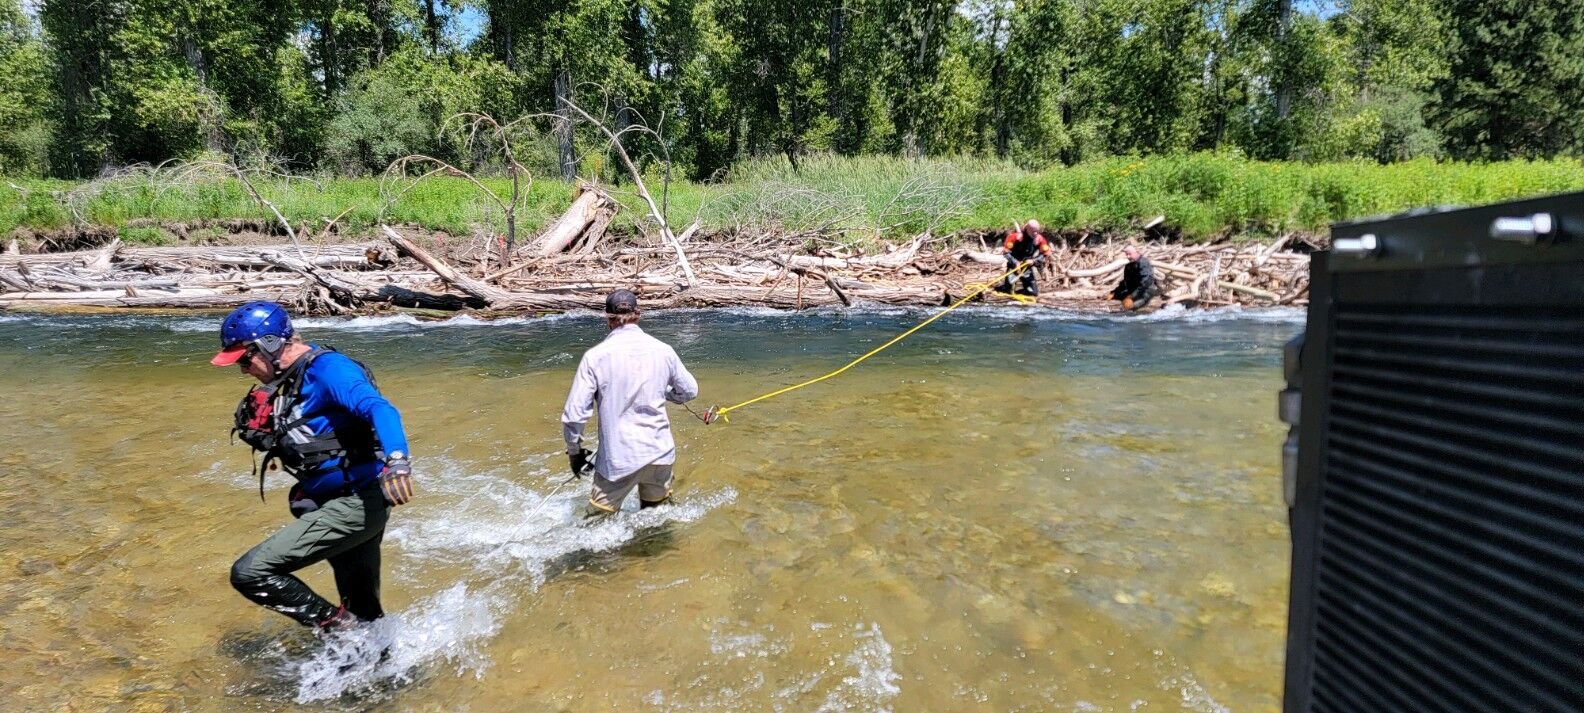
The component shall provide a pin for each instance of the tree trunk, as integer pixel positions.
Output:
(79, 35)
(431, 20)
(733, 143)
(500, 30)
(379, 14)
(636, 38)
(792, 144)
(1284, 83)
(835, 99)
(74, 95)
(1218, 99)
(563, 129)
(208, 118)
(1069, 152)
(329, 59)
(624, 119)
(998, 90)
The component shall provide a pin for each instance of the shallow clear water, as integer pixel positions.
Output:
(1011, 510)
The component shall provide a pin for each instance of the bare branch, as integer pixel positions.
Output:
(476, 127)
(643, 191)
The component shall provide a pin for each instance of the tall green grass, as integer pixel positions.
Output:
(1201, 195)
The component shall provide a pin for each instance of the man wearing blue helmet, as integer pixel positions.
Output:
(319, 414)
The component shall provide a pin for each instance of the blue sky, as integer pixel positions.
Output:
(468, 25)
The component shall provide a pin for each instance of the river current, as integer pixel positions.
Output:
(1011, 510)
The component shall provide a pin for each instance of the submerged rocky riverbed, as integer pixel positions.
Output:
(1011, 510)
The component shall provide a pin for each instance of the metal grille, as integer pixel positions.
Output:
(1451, 559)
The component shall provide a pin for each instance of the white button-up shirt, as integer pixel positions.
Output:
(630, 375)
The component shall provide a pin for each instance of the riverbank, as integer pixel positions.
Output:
(851, 202)
(1222, 230)
(416, 269)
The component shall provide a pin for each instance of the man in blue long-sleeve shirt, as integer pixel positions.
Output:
(628, 378)
(320, 415)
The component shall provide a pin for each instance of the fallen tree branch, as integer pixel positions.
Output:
(590, 203)
(456, 279)
(643, 191)
(984, 258)
(348, 255)
(15, 281)
(1245, 289)
(826, 278)
(1103, 270)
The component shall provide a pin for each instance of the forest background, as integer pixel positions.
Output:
(1229, 117)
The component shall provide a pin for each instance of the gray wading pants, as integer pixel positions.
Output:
(1026, 281)
(346, 531)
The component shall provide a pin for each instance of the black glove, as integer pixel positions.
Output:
(579, 461)
(396, 480)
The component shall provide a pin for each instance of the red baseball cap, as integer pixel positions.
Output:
(229, 355)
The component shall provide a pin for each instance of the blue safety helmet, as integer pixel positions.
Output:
(263, 323)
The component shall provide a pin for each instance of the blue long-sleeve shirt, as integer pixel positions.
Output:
(335, 394)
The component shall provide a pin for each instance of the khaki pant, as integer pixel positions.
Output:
(653, 482)
(345, 531)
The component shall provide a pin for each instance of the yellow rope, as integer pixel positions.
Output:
(721, 412)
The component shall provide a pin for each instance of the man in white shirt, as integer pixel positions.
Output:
(628, 377)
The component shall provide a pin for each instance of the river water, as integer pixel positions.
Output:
(1012, 510)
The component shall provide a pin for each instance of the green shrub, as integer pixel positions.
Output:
(142, 236)
(1202, 195)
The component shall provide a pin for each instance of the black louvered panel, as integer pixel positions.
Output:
(1451, 555)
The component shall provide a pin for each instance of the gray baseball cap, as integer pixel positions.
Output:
(621, 302)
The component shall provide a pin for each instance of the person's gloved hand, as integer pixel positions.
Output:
(1127, 303)
(396, 480)
(579, 461)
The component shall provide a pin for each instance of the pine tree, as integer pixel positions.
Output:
(1515, 80)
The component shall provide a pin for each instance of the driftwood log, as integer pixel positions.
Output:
(399, 272)
(591, 207)
(352, 255)
(367, 277)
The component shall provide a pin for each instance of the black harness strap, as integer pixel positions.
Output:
(274, 440)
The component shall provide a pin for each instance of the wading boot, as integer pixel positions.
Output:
(341, 619)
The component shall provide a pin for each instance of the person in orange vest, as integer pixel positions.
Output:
(1027, 244)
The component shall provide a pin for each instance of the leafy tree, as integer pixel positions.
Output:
(24, 93)
(1515, 81)
(1027, 77)
(376, 122)
(776, 70)
(80, 37)
(920, 32)
(400, 107)
(1138, 67)
(347, 84)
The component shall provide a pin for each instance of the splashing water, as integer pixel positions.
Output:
(450, 626)
(873, 683)
(447, 627)
(1012, 508)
